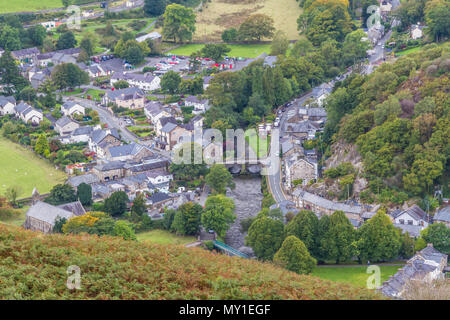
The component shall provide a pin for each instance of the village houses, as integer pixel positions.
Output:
(42, 216)
(7, 105)
(71, 108)
(130, 98)
(27, 113)
(146, 82)
(65, 126)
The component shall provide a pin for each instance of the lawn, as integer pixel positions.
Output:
(163, 237)
(219, 15)
(7, 6)
(237, 50)
(354, 275)
(405, 52)
(95, 94)
(73, 92)
(19, 166)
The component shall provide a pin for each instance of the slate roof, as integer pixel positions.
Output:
(125, 150)
(82, 131)
(194, 99)
(46, 212)
(75, 207)
(415, 212)
(99, 134)
(425, 261)
(325, 203)
(300, 127)
(63, 121)
(89, 178)
(25, 52)
(164, 120)
(317, 112)
(443, 214)
(168, 127)
(146, 78)
(159, 163)
(5, 100)
(154, 108)
(126, 94)
(21, 107)
(157, 173)
(159, 197)
(110, 165)
(69, 104)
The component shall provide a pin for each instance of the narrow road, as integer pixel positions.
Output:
(275, 179)
(105, 117)
(113, 122)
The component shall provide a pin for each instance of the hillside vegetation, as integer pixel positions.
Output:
(398, 119)
(34, 266)
(218, 15)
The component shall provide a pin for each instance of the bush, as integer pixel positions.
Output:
(209, 245)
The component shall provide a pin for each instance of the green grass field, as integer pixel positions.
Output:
(19, 166)
(353, 275)
(163, 237)
(7, 6)
(94, 93)
(405, 52)
(237, 50)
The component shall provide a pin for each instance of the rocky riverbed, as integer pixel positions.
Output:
(247, 198)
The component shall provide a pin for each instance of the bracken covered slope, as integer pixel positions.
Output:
(34, 266)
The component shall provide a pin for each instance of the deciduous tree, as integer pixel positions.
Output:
(294, 256)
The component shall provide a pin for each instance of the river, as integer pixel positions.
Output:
(247, 198)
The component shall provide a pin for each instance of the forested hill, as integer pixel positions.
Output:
(34, 266)
(398, 119)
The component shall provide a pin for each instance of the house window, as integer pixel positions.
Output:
(402, 221)
(410, 222)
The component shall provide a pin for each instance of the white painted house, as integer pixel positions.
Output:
(155, 111)
(27, 113)
(145, 82)
(416, 32)
(66, 126)
(200, 105)
(159, 179)
(412, 216)
(7, 105)
(71, 108)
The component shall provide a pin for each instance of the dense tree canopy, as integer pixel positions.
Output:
(69, 75)
(294, 256)
(187, 219)
(256, 27)
(265, 236)
(218, 214)
(117, 203)
(437, 234)
(378, 240)
(304, 226)
(219, 178)
(179, 23)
